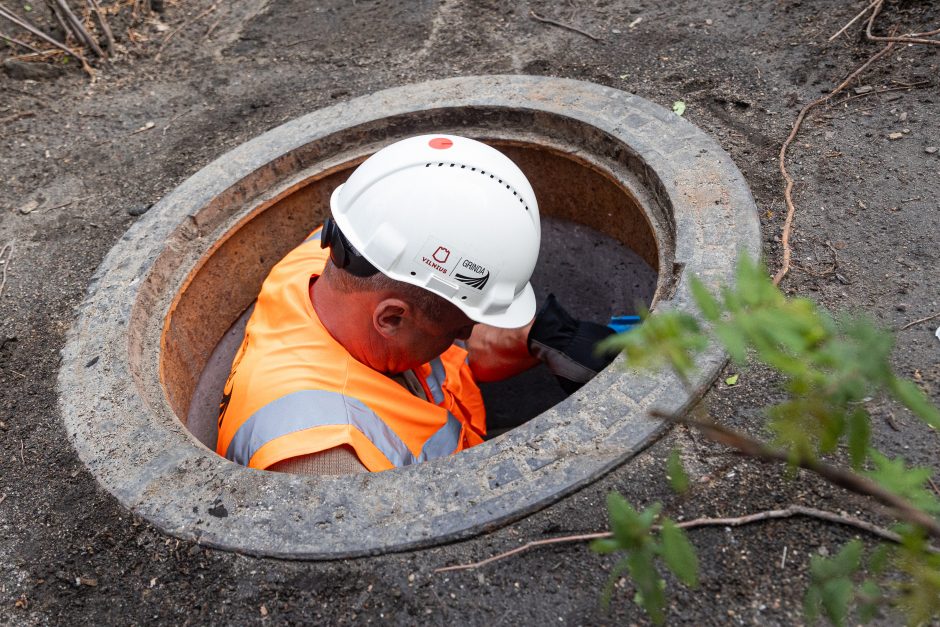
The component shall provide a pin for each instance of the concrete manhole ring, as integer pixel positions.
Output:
(165, 295)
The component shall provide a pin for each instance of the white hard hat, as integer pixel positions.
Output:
(451, 215)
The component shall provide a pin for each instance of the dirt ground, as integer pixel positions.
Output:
(69, 554)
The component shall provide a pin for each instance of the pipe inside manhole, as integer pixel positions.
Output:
(635, 199)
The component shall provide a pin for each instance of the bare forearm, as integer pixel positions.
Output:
(497, 354)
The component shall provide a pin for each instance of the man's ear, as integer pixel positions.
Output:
(389, 316)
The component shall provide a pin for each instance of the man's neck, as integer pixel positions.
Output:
(345, 316)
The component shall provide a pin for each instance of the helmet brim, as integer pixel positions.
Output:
(518, 314)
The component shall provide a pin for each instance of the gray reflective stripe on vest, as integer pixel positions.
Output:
(313, 237)
(435, 380)
(307, 409)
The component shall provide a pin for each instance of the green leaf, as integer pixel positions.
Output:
(733, 341)
(831, 585)
(904, 481)
(649, 584)
(623, 519)
(859, 435)
(912, 398)
(603, 546)
(869, 598)
(878, 560)
(732, 380)
(676, 473)
(812, 601)
(678, 107)
(849, 558)
(707, 303)
(836, 595)
(679, 554)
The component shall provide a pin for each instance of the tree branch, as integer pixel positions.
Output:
(835, 475)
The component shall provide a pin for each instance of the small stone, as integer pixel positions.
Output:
(930, 150)
(138, 210)
(901, 306)
(895, 135)
(864, 89)
(903, 116)
(22, 71)
(29, 206)
(823, 550)
(709, 22)
(905, 130)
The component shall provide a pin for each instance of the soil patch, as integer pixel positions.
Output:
(71, 555)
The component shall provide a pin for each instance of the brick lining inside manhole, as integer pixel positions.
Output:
(601, 160)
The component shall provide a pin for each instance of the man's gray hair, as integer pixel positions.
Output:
(430, 304)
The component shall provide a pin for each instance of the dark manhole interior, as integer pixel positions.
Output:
(598, 256)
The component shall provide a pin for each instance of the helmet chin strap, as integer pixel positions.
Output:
(343, 254)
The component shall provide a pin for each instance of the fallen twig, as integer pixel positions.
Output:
(525, 547)
(6, 256)
(26, 93)
(103, 23)
(914, 38)
(22, 44)
(211, 29)
(17, 116)
(927, 319)
(934, 486)
(9, 15)
(882, 91)
(788, 190)
(79, 29)
(173, 119)
(736, 521)
(3, 498)
(545, 20)
(186, 23)
(855, 19)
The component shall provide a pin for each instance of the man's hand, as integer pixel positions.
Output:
(497, 354)
(567, 345)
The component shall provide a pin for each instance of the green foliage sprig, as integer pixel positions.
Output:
(830, 367)
(635, 534)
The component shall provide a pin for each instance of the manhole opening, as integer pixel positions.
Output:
(604, 163)
(599, 255)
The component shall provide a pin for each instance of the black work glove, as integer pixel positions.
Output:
(567, 345)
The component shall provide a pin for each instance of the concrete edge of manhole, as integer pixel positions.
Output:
(140, 452)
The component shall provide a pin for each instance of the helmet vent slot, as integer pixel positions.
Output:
(483, 172)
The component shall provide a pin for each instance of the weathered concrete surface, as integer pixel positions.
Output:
(111, 383)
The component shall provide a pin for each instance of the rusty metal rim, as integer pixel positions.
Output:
(123, 429)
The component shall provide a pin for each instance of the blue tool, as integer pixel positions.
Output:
(623, 323)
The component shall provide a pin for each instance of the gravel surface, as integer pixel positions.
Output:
(76, 173)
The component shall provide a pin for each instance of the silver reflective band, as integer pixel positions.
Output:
(435, 381)
(308, 409)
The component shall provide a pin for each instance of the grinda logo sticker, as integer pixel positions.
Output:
(478, 280)
(445, 260)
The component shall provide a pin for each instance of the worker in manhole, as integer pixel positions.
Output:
(367, 341)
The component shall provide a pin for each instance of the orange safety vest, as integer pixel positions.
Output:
(294, 390)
